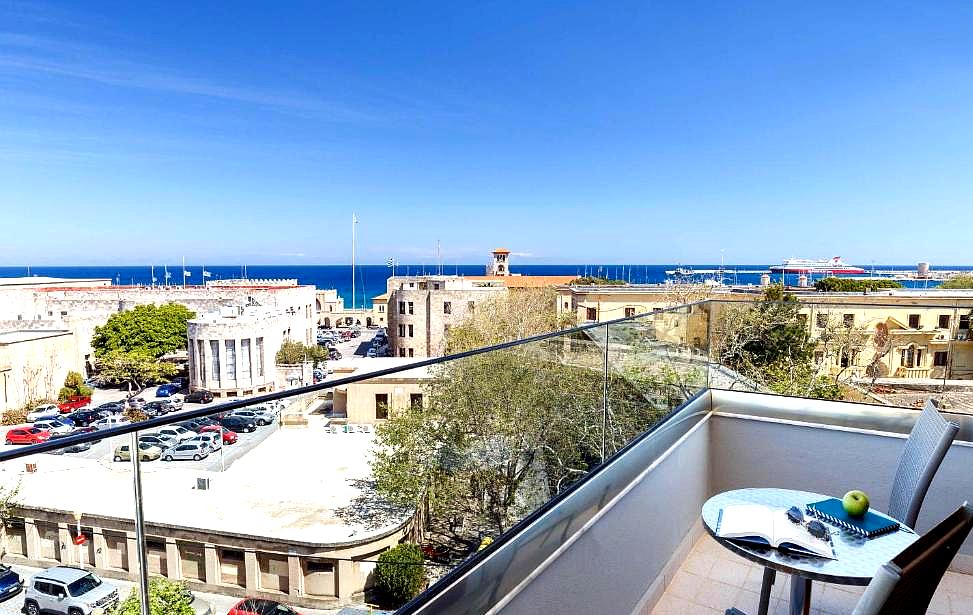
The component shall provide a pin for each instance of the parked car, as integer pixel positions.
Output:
(147, 452)
(112, 406)
(111, 421)
(239, 424)
(27, 435)
(10, 583)
(135, 402)
(158, 408)
(176, 402)
(74, 448)
(199, 396)
(259, 415)
(177, 432)
(55, 426)
(211, 440)
(66, 590)
(334, 355)
(186, 450)
(372, 353)
(73, 403)
(259, 606)
(157, 439)
(43, 411)
(229, 437)
(83, 418)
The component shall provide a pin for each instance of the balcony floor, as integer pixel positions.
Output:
(712, 579)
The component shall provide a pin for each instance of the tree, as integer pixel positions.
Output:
(165, 598)
(508, 316)
(8, 502)
(596, 281)
(400, 574)
(135, 367)
(293, 352)
(73, 386)
(852, 285)
(960, 281)
(149, 330)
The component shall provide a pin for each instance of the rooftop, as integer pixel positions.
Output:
(29, 335)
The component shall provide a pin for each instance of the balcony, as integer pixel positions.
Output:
(659, 423)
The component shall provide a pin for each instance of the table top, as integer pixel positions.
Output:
(858, 557)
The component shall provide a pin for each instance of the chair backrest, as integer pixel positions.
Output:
(908, 582)
(921, 457)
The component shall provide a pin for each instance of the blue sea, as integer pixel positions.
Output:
(370, 279)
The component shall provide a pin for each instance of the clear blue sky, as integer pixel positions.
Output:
(649, 132)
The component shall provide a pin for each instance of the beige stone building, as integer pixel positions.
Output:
(374, 400)
(332, 312)
(33, 364)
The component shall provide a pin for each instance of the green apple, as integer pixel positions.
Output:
(855, 503)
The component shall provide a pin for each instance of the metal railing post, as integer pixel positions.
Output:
(605, 404)
(140, 525)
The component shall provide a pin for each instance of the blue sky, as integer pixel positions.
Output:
(650, 132)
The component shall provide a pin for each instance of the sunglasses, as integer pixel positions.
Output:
(814, 527)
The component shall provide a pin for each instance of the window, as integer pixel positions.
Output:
(230, 358)
(848, 358)
(410, 308)
(435, 285)
(629, 312)
(401, 352)
(315, 566)
(410, 330)
(381, 405)
(447, 307)
(415, 400)
(245, 359)
(821, 320)
(381, 309)
(911, 356)
(565, 305)
(940, 358)
(401, 307)
(591, 314)
(944, 321)
(260, 356)
(913, 321)
(849, 320)
(401, 330)
(964, 322)
(412, 352)
(202, 362)
(214, 349)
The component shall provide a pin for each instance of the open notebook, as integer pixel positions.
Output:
(760, 524)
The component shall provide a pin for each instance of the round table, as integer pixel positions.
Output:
(858, 558)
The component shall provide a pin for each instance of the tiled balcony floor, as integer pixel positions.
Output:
(712, 579)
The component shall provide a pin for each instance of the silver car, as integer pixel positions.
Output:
(213, 441)
(163, 441)
(177, 432)
(258, 414)
(186, 450)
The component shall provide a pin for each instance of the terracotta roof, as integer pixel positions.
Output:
(501, 251)
(524, 281)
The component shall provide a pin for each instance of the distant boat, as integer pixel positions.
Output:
(681, 271)
(805, 265)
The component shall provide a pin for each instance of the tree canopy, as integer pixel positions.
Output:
(851, 285)
(589, 280)
(73, 385)
(293, 352)
(400, 574)
(165, 598)
(147, 330)
(959, 282)
(134, 367)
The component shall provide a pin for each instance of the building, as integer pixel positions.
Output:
(332, 312)
(374, 400)
(81, 305)
(33, 365)
(232, 350)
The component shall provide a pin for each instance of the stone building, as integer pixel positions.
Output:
(32, 365)
(232, 350)
(374, 400)
(332, 312)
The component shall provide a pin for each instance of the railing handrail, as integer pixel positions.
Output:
(171, 419)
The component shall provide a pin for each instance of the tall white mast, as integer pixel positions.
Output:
(184, 272)
(354, 222)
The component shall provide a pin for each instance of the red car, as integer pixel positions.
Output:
(73, 403)
(27, 435)
(259, 606)
(229, 437)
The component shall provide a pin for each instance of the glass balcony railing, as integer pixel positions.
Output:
(494, 457)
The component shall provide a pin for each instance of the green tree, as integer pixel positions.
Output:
(852, 285)
(596, 281)
(165, 598)
(149, 330)
(292, 352)
(73, 385)
(136, 368)
(400, 574)
(960, 281)
(8, 502)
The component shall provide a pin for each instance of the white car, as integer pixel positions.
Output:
(177, 432)
(110, 422)
(44, 411)
(55, 426)
(213, 441)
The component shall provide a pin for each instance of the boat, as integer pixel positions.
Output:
(805, 265)
(681, 271)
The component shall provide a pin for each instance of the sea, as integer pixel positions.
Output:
(370, 279)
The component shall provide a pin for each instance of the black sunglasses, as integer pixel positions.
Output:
(814, 527)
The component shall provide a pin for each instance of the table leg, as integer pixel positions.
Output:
(800, 595)
(765, 587)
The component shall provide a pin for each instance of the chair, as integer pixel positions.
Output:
(923, 453)
(907, 583)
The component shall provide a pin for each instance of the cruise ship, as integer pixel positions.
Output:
(805, 265)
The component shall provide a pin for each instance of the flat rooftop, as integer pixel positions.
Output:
(16, 337)
(48, 281)
(299, 486)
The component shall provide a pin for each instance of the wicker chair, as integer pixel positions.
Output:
(923, 453)
(907, 583)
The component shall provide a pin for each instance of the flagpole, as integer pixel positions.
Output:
(184, 272)
(354, 221)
